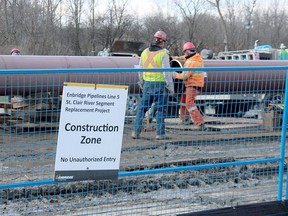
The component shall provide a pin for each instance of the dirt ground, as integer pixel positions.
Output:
(28, 157)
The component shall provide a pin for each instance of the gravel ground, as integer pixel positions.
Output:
(168, 193)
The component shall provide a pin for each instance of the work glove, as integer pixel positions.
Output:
(170, 88)
(174, 74)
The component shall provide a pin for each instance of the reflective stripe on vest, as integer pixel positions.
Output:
(197, 73)
(182, 104)
(153, 60)
(192, 109)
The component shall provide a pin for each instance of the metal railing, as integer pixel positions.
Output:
(238, 160)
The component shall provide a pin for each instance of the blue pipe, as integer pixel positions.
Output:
(283, 143)
(112, 70)
(151, 172)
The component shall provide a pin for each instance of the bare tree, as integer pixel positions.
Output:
(234, 22)
(45, 27)
(76, 9)
(9, 22)
(216, 3)
(31, 29)
(190, 10)
(5, 30)
(271, 24)
(92, 27)
(248, 23)
(116, 22)
(278, 21)
(49, 27)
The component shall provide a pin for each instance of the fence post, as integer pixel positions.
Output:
(283, 142)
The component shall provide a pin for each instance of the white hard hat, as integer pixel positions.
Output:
(282, 46)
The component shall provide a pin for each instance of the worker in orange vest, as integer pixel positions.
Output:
(194, 82)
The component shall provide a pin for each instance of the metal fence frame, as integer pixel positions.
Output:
(280, 159)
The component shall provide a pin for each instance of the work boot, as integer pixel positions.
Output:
(134, 135)
(161, 137)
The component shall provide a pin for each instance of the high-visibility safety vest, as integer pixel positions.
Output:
(153, 59)
(196, 78)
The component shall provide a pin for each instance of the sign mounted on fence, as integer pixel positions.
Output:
(90, 132)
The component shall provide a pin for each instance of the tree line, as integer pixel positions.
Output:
(82, 27)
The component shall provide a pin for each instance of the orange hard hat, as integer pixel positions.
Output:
(188, 46)
(14, 50)
(160, 35)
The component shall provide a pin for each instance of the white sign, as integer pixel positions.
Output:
(90, 132)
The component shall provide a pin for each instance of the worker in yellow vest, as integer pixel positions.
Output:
(157, 86)
(194, 82)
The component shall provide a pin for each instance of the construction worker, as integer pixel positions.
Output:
(193, 81)
(156, 85)
(283, 52)
(15, 51)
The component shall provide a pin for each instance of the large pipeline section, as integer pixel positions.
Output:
(30, 83)
(243, 81)
(217, 81)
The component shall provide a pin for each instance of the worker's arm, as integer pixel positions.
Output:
(140, 74)
(168, 74)
(185, 74)
(166, 64)
(182, 76)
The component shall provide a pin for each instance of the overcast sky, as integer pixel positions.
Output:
(148, 7)
(167, 5)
